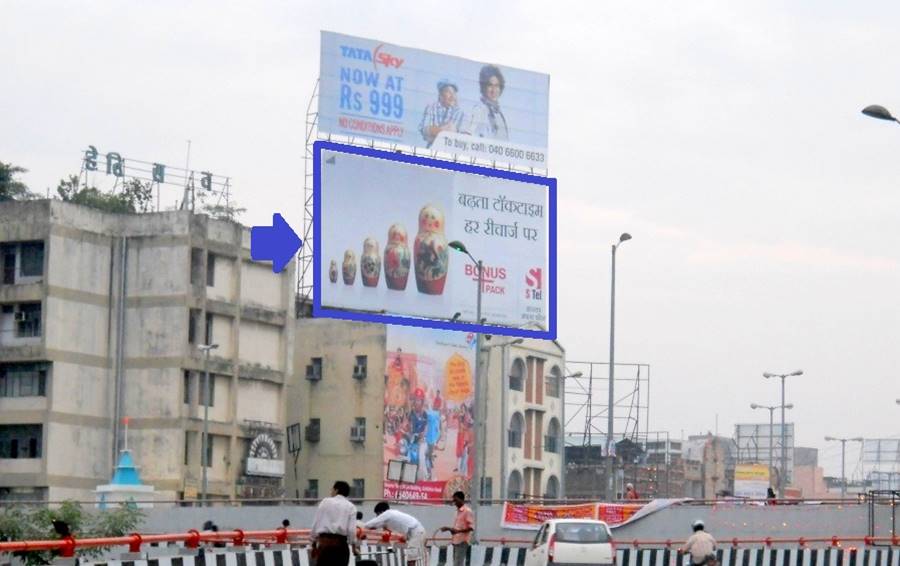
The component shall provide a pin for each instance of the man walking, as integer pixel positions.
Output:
(462, 529)
(334, 528)
(405, 524)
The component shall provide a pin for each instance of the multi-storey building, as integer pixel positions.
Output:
(338, 398)
(101, 316)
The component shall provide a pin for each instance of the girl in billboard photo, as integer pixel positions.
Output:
(487, 119)
(431, 253)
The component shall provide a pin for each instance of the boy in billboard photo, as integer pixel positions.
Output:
(487, 119)
(444, 115)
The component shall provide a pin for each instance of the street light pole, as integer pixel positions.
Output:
(480, 427)
(771, 409)
(205, 348)
(879, 112)
(783, 376)
(843, 442)
(610, 433)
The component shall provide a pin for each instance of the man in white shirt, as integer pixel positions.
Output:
(334, 528)
(701, 545)
(406, 525)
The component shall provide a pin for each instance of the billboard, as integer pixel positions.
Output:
(751, 481)
(375, 90)
(428, 412)
(753, 442)
(383, 225)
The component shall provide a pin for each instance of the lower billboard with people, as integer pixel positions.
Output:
(429, 433)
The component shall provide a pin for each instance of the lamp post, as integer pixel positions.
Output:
(610, 436)
(562, 444)
(771, 409)
(879, 112)
(205, 348)
(843, 442)
(480, 436)
(783, 376)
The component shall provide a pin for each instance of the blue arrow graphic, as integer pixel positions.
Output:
(276, 243)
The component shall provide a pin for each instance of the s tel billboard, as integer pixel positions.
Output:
(384, 224)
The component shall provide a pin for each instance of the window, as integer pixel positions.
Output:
(9, 264)
(360, 369)
(20, 441)
(517, 376)
(209, 450)
(187, 446)
(23, 380)
(358, 431)
(514, 485)
(28, 320)
(551, 440)
(32, 262)
(553, 382)
(581, 533)
(193, 320)
(196, 266)
(210, 271)
(552, 488)
(358, 489)
(187, 387)
(312, 489)
(314, 369)
(212, 390)
(516, 426)
(487, 490)
(209, 328)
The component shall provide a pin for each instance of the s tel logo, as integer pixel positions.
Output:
(534, 281)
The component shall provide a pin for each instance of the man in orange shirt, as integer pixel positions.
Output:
(462, 529)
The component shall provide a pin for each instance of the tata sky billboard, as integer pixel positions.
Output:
(384, 222)
(372, 89)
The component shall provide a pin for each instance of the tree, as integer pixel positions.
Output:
(229, 211)
(18, 522)
(10, 187)
(136, 196)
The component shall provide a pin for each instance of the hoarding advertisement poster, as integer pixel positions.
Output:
(385, 228)
(428, 411)
(376, 90)
(751, 481)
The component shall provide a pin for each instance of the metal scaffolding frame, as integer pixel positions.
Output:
(586, 405)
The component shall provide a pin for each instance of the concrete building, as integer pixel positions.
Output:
(337, 396)
(100, 319)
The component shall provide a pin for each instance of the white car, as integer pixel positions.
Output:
(572, 541)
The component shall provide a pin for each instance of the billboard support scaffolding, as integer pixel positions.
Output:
(305, 287)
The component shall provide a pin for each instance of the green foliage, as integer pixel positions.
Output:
(10, 187)
(135, 196)
(224, 212)
(18, 522)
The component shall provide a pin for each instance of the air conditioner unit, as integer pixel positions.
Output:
(359, 372)
(312, 433)
(313, 373)
(357, 433)
(21, 316)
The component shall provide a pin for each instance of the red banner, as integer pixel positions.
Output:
(524, 516)
(531, 516)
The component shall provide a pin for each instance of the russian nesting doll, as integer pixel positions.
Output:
(332, 272)
(349, 267)
(370, 263)
(431, 254)
(396, 258)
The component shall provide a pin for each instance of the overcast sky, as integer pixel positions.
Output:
(727, 139)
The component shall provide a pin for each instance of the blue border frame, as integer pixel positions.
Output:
(321, 312)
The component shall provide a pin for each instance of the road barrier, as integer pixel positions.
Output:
(289, 547)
